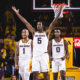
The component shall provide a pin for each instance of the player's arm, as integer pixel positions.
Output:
(51, 26)
(50, 50)
(66, 49)
(32, 47)
(28, 25)
(16, 54)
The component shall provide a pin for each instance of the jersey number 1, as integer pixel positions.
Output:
(23, 50)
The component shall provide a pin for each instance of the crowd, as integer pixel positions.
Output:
(7, 52)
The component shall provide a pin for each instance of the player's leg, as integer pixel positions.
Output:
(31, 76)
(26, 75)
(62, 72)
(62, 69)
(21, 68)
(44, 61)
(55, 76)
(22, 75)
(46, 76)
(55, 70)
(26, 70)
(21, 71)
(35, 67)
(35, 75)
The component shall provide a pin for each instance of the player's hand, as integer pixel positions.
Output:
(51, 59)
(61, 6)
(15, 10)
(63, 58)
(16, 66)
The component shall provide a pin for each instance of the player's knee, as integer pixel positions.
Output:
(35, 75)
(45, 73)
(55, 76)
(62, 73)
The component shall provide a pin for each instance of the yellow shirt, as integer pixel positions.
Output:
(3, 56)
(7, 43)
(13, 45)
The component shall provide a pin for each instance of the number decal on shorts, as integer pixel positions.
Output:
(57, 49)
(23, 50)
(39, 41)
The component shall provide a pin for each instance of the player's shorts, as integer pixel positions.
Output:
(1, 72)
(24, 66)
(40, 63)
(58, 65)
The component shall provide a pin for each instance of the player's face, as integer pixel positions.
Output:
(57, 33)
(39, 26)
(25, 33)
(13, 78)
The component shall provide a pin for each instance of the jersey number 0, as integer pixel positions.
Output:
(23, 50)
(57, 49)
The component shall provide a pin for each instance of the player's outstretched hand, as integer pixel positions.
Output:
(15, 10)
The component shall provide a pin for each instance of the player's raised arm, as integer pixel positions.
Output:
(66, 49)
(51, 26)
(50, 49)
(28, 25)
(16, 55)
(32, 47)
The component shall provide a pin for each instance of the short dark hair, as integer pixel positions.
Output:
(56, 29)
(41, 22)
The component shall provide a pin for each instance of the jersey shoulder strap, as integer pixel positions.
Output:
(30, 40)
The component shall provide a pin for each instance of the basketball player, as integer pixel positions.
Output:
(40, 45)
(59, 49)
(24, 48)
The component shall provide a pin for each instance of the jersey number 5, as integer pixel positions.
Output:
(39, 41)
(23, 50)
